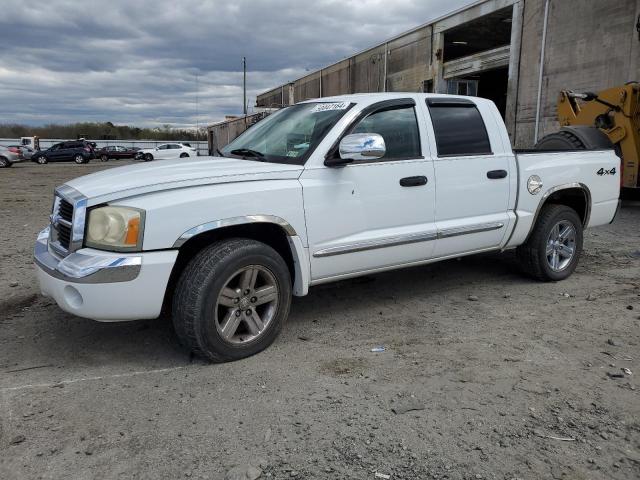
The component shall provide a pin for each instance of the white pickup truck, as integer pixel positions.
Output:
(320, 191)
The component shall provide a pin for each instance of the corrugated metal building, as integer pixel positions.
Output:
(518, 53)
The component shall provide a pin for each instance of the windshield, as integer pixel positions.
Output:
(288, 136)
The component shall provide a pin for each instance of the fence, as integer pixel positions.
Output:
(45, 143)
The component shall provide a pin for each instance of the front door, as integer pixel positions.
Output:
(370, 215)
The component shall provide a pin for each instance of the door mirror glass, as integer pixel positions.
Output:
(362, 146)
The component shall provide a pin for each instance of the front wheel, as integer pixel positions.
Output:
(42, 160)
(104, 158)
(79, 159)
(232, 300)
(147, 157)
(5, 163)
(553, 248)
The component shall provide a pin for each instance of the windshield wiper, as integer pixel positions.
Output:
(248, 152)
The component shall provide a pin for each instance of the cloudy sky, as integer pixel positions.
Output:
(136, 61)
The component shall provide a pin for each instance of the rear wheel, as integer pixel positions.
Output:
(79, 159)
(104, 158)
(553, 248)
(184, 155)
(4, 163)
(147, 157)
(232, 300)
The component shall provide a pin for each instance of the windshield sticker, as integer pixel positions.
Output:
(326, 107)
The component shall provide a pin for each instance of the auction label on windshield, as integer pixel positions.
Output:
(325, 107)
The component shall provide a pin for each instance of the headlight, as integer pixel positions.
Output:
(115, 228)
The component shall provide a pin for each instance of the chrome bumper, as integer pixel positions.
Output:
(84, 267)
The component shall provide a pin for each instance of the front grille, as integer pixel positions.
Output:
(64, 236)
(67, 219)
(65, 210)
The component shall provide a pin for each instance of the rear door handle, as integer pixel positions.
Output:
(495, 174)
(413, 181)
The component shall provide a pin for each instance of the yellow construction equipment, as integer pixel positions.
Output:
(607, 119)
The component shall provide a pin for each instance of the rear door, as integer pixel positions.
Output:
(60, 153)
(472, 170)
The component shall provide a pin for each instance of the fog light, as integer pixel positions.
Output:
(72, 296)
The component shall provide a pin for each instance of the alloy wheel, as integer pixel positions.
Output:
(561, 245)
(247, 304)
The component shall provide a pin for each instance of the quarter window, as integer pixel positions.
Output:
(459, 129)
(399, 128)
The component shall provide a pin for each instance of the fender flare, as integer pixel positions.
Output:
(299, 254)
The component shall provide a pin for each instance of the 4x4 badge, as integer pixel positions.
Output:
(602, 171)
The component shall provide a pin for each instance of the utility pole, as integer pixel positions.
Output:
(244, 85)
(197, 113)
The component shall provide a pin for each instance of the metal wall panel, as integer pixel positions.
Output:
(307, 87)
(271, 98)
(367, 74)
(408, 61)
(336, 79)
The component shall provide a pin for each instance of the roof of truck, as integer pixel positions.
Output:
(381, 96)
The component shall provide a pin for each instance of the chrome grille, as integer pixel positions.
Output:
(67, 221)
(65, 210)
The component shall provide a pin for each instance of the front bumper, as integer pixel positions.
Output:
(104, 286)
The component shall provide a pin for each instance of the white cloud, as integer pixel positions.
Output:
(136, 62)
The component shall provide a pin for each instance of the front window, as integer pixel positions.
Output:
(289, 135)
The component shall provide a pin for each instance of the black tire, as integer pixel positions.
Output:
(184, 155)
(5, 163)
(532, 255)
(562, 140)
(104, 158)
(195, 307)
(147, 157)
(42, 160)
(79, 159)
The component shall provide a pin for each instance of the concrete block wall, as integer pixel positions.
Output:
(591, 45)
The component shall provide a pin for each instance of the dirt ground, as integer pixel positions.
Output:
(504, 377)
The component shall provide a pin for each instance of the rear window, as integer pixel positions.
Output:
(459, 128)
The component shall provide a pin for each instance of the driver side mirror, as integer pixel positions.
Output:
(358, 146)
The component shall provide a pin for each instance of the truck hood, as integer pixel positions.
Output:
(160, 175)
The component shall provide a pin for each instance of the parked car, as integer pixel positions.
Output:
(115, 151)
(9, 156)
(317, 192)
(27, 152)
(166, 151)
(79, 151)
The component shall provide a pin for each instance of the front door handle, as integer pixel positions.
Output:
(413, 181)
(495, 174)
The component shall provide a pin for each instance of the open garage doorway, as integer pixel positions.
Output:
(491, 84)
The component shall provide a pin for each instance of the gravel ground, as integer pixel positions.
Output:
(485, 374)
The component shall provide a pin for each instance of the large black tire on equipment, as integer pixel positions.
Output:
(557, 236)
(232, 300)
(578, 137)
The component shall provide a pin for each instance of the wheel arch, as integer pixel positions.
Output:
(573, 195)
(270, 230)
